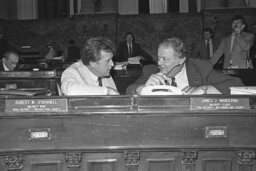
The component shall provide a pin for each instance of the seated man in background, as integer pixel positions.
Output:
(235, 47)
(10, 60)
(91, 75)
(129, 49)
(175, 69)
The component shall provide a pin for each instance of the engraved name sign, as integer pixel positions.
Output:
(36, 105)
(205, 103)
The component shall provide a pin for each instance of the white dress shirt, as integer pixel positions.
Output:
(77, 79)
(181, 78)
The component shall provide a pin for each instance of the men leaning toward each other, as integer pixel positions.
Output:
(173, 62)
(10, 60)
(235, 47)
(91, 75)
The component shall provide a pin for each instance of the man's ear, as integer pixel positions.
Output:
(182, 61)
(4, 60)
(92, 64)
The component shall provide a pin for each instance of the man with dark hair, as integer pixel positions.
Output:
(205, 47)
(91, 75)
(10, 60)
(175, 69)
(235, 47)
(129, 48)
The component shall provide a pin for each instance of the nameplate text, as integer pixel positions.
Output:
(36, 105)
(205, 103)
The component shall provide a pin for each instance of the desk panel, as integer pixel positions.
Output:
(135, 137)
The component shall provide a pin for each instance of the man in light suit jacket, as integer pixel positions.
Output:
(91, 75)
(173, 63)
(129, 49)
(235, 47)
(206, 46)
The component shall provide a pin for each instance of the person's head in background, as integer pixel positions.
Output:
(238, 24)
(172, 54)
(10, 60)
(71, 42)
(97, 55)
(208, 33)
(129, 37)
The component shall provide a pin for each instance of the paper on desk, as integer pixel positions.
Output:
(134, 60)
(243, 90)
(120, 65)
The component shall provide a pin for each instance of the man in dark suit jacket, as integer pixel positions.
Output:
(9, 61)
(130, 49)
(205, 47)
(173, 63)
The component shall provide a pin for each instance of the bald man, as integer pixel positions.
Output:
(9, 61)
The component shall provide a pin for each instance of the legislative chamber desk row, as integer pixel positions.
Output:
(128, 133)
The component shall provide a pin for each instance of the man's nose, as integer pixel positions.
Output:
(160, 61)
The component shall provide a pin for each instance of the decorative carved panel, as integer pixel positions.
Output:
(73, 159)
(14, 162)
(189, 157)
(131, 158)
(246, 157)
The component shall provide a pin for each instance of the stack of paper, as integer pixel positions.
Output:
(120, 65)
(134, 60)
(243, 90)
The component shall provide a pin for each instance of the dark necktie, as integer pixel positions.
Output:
(130, 50)
(100, 81)
(174, 82)
(208, 49)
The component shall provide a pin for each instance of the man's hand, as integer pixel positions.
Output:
(111, 91)
(155, 79)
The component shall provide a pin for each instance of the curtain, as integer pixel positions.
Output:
(158, 6)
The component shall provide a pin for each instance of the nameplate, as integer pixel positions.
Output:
(205, 103)
(39, 134)
(36, 105)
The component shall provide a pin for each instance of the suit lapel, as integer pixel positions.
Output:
(194, 76)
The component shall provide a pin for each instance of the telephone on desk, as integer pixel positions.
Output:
(161, 90)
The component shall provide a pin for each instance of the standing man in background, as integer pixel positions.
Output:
(235, 47)
(205, 47)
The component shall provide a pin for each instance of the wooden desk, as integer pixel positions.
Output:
(123, 78)
(128, 133)
(246, 75)
(30, 79)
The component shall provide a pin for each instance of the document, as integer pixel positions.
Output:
(134, 60)
(243, 90)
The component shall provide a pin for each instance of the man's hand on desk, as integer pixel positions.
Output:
(209, 89)
(111, 91)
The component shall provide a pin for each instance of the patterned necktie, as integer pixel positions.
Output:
(174, 82)
(100, 81)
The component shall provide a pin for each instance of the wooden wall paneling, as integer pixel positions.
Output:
(164, 161)
(102, 162)
(44, 162)
(216, 161)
